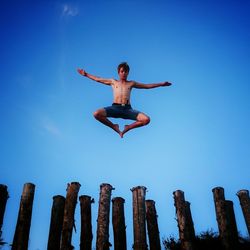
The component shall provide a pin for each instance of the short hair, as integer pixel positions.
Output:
(123, 65)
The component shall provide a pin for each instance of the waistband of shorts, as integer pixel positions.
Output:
(121, 105)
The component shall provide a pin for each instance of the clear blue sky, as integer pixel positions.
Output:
(199, 134)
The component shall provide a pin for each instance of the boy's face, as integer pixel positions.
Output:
(123, 74)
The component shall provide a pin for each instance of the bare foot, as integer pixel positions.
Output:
(126, 129)
(116, 129)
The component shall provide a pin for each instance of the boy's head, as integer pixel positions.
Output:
(123, 66)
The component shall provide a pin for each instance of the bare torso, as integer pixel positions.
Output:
(121, 91)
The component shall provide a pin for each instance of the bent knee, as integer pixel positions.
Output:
(96, 114)
(144, 119)
(99, 113)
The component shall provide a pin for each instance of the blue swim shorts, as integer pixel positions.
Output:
(124, 111)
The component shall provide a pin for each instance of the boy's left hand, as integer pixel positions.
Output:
(166, 84)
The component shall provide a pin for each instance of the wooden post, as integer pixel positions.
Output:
(225, 219)
(69, 212)
(245, 206)
(232, 222)
(118, 221)
(219, 198)
(152, 225)
(190, 223)
(21, 237)
(86, 225)
(139, 215)
(102, 238)
(184, 219)
(56, 223)
(3, 200)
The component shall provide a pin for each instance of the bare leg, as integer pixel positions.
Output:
(100, 115)
(142, 120)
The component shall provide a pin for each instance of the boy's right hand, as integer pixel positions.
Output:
(82, 72)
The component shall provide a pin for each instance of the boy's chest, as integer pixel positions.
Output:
(122, 87)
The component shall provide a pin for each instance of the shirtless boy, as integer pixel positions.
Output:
(121, 107)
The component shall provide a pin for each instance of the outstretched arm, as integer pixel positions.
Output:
(95, 78)
(151, 85)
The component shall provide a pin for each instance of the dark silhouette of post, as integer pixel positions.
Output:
(21, 236)
(232, 221)
(245, 206)
(190, 223)
(152, 225)
(102, 235)
(56, 223)
(226, 219)
(139, 218)
(118, 221)
(69, 212)
(86, 225)
(3, 201)
(185, 221)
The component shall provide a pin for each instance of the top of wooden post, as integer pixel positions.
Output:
(29, 184)
(218, 188)
(58, 197)
(28, 187)
(150, 202)
(75, 183)
(242, 191)
(107, 185)
(176, 192)
(138, 187)
(118, 199)
(218, 193)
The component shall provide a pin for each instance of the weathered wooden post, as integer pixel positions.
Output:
(139, 216)
(245, 206)
(56, 223)
(69, 212)
(118, 221)
(190, 223)
(232, 221)
(152, 225)
(21, 236)
(225, 219)
(86, 225)
(102, 234)
(184, 219)
(3, 200)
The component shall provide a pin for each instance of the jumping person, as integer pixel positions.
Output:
(121, 107)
